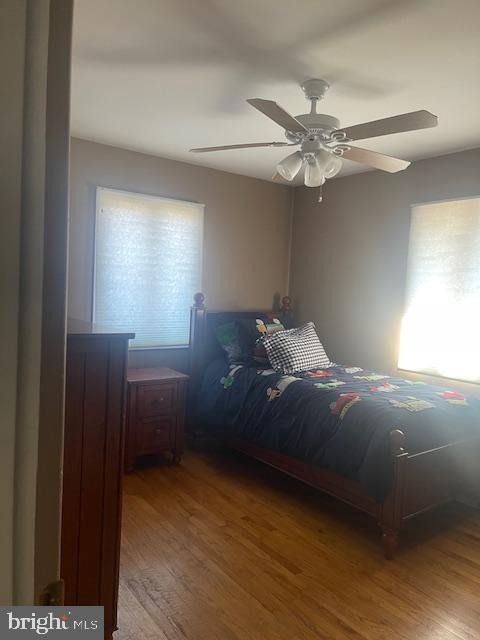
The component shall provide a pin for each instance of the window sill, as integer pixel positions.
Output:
(438, 376)
(169, 348)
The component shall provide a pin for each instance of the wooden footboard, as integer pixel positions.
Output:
(425, 480)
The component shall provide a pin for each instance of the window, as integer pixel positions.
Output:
(148, 253)
(441, 326)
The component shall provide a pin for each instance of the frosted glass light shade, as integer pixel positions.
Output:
(314, 176)
(324, 166)
(333, 166)
(329, 164)
(290, 166)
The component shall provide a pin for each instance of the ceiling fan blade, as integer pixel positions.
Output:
(276, 113)
(376, 160)
(243, 146)
(396, 124)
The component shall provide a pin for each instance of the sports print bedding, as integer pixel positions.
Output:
(338, 418)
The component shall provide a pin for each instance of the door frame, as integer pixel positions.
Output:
(34, 241)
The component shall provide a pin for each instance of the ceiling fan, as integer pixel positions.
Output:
(323, 143)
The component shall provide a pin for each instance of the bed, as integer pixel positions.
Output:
(391, 447)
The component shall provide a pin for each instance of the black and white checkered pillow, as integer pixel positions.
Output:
(295, 350)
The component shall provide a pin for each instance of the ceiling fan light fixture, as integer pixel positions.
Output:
(290, 166)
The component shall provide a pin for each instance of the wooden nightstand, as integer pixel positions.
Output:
(155, 413)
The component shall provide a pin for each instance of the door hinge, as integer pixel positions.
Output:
(53, 595)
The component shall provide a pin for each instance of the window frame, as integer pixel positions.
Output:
(153, 196)
(427, 374)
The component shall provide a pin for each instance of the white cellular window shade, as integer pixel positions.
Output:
(441, 326)
(148, 256)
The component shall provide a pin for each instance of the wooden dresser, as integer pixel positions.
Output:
(93, 467)
(155, 414)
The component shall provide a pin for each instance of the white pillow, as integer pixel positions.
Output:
(296, 350)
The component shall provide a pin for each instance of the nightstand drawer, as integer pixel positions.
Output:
(156, 400)
(153, 435)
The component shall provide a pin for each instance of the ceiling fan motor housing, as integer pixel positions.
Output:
(318, 124)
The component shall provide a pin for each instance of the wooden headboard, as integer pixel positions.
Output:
(204, 346)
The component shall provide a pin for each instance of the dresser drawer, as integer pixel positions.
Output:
(155, 435)
(156, 400)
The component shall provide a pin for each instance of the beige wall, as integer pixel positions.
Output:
(349, 254)
(246, 234)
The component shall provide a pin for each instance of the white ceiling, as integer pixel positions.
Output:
(161, 76)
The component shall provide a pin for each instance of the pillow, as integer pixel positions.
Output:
(296, 350)
(241, 339)
(228, 336)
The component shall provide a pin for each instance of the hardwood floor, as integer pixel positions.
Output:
(224, 548)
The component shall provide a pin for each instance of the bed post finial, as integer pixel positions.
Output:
(199, 300)
(397, 442)
(286, 304)
(286, 313)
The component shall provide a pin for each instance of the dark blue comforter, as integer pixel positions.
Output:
(337, 418)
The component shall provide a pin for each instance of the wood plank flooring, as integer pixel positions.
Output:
(224, 548)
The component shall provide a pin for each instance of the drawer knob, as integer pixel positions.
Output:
(158, 400)
(158, 431)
